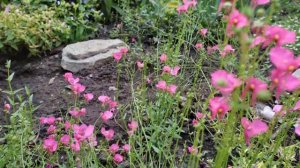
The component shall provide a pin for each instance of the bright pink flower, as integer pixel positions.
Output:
(166, 69)
(67, 125)
(255, 3)
(199, 46)
(104, 99)
(105, 116)
(75, 146)
(190, 3)
(199, 115)
(51, 129)
(70, 79)
(47, 120)
(227, 49)
(278, 35)
(118, 158)
(114, 148)
(172, 71)
(82, 132)
(161, 85)
(237, 20)
(140, 65)
(163, 58)
(108, 134)
(257, 41)
(75, 113)
(297, 130)
(65, 139)
(182, 9)
(192, 150)
(297, 106)
(112, 104)
(256, 86)
(195, 122)
(77, 88)
(225, 82)
(171, 89)
(50, 145)
(7, 107)
(88, 97)
(203, 32)
(284, 59)
(278, 109)
(126, 147)
(124, 50)
(117, 56)
(252, 129)
(218, 106)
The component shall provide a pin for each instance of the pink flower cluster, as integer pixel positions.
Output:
(186, 5)
(118, 55)
(76, 87)
(162, 85)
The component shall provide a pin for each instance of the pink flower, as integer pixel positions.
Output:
(256, 86)
(225, 82)
(105, 116)
(284, 59)
(172, 71)
(114, 148)
(50, 145)
(161, 85)
(118, 158)
(257, 41)
(211, 50)
(124, 50)
(163, 58)
(252, 129)
(192, 150)
(203, 32)
(75, 146)
(117, 56)
(171, 89)
(227, 49)
(237, 20)
(218, 106)
(195, 122)
(133, 40)
(92, 141)
(126, 147)
(278, 109)
(199, 115)
(7, 107)
(82, 132)
(182, 9)
(140, 65)
(77, 88)
(104, 99)
(278, 35)
(65, 139)
(255, 3)
(108, 134)
(133, 125)
(75, 113)
(47, 120)
(70, 79)
(67, 125)
(88, 97)
(297, 130)
(112, 104)
(51, 129)
(297, 106)
(199, 46)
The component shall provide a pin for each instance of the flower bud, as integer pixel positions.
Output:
(264, 95)
(260, 12)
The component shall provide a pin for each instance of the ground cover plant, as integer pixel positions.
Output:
(185, 93)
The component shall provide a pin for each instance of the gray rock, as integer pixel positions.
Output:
(264, 111)
(84, 55)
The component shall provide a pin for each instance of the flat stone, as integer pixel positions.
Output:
(264, 111)
(85, 55)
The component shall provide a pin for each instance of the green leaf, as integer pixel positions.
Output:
(156, 149)
(10, 77)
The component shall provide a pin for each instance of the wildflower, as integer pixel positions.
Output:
(256, 86)
(223, 2)
(257, 41)
(199, 115)
(203, 32)
(171, 89)
(278, 35)
(77, 88)
(75, 146)
(133, 125)
(112, 104)
(50, 145)
(211, 50)
(124, 50)
(278, 109)
(252, 129)
(199, 46)
(70, 79)
(284, 59)
(182, 9)
(192, 150)
(88, 97)
(163, 58)
(126, 148)
(218, 106)
(114, 148)
(82, 132)
(297, 106)
(105, 116)
(140, 65)
(133, 40)
(237, 20)
(227, 49)
(297, 130)
(118, 158)
(162, 85)
(65, 139)
(225, 82)
(104, 99)
(75, 113)
(51, 129)
(67, 125)
(195, 122)
(92, 141)
(172, 71)
(108, 134)
(255, 3)
(117, 56)
(47, 120)
(7, 107)
(186, 5)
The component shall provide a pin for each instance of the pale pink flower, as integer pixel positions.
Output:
(195, 122)
(255, 3)
(88, 97)
(227, 49)
(65, 139)
(133, 125)
(117, 56)
(171, 89)
(213, 49)
(163, 58)
(47, 120)
(174, 71)
(140, 65)
(199, 115)
(225, 82)
(70, 79)
(203, 32)
(75, 146)
(124, 50)
(278, 109)
(114, 148)
(222, 3)
(182, 8)
(126, 148)
(77, 88)
(50, 145)
(112, 104)
(237, 20)
(133, 40)
(192, 150)
(297, 130)
(67, 125)
(108, 134)
(82, 132)
(104, 99)
(118, 158)
(51, 129)
(78, 113)
(218, 106)
(161, 85)
(199, 46)
(258, 40)
(252, 129)
(278, 35)
(297, 106)
(105, 116)
(7, 107)
(256, 86)
(92, 141)
(283, 59)
(166, 69)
